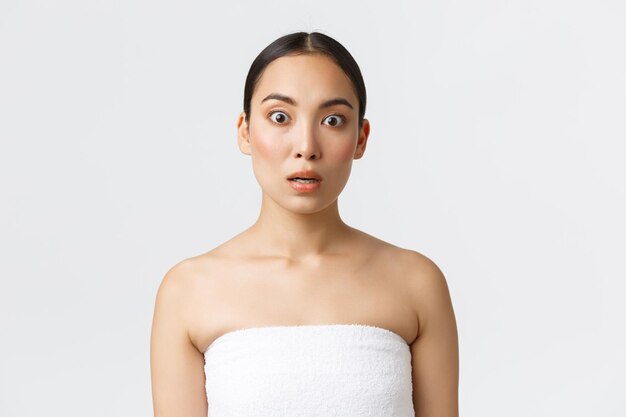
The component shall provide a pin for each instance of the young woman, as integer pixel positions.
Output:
(301, 314)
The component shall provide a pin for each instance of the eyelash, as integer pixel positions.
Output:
(277, 111)
(337, 115)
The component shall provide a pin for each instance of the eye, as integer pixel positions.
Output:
(334, 120)
(279, 117)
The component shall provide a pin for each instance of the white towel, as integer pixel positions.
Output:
(343, 370)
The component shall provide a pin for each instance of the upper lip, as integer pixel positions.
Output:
(307, 173)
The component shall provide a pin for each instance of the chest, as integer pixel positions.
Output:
(256, 295)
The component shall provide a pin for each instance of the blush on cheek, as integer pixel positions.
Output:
(344, 150)
(266, 146)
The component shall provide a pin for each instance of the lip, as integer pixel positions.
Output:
(304, 188)
(307, 173)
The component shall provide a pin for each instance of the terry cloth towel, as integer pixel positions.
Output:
(326, 370)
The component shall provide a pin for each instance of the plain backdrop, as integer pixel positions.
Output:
(497, 150)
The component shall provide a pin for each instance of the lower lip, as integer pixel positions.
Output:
(304, 188)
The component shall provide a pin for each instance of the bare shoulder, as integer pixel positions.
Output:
(434, 353)
(185, 283)
(420, 271)
(420, 277)
(176, 363)
(415, 267)
(190, 290)
(424, 283)
(183, 276)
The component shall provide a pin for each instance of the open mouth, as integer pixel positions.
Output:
(304, 180)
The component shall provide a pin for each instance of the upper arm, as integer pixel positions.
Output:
(177, 367)
(435, 354)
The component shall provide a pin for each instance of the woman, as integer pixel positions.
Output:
(301, 314)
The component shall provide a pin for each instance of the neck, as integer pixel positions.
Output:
(295, 236)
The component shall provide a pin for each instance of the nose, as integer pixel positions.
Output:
(306, 145)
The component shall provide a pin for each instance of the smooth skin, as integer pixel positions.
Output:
(299, 263)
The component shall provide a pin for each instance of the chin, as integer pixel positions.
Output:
(304, 207)
(301, 204)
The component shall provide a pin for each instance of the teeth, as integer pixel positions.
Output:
(305, 180)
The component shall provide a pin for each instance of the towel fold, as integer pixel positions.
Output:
(347, 370)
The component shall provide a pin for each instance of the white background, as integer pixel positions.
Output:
(497, 150)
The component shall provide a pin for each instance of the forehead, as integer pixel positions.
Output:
(305, 77)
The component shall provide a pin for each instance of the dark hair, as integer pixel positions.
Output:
(299, 43)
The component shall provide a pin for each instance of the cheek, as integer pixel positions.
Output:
(265, 145)
(343, 149)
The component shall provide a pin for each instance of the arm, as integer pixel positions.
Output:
(435, 355)
(177, 367)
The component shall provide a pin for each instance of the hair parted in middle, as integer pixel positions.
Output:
(300, 43)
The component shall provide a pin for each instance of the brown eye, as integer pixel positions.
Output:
(334, 120)
(279, 117)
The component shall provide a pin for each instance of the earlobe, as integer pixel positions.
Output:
(364, 133)
(243, 134)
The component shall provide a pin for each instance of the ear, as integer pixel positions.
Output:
(364, 133)
(243, 134)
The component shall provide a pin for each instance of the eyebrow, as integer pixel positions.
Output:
(289, 100)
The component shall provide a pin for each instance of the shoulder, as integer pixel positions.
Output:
(175, 361)
(420, 271)
(416, 268)
(194, 282)
(181, 276)
(185, 293)
(184, 280)
(424, 283)
(434, 352)
(420, 277)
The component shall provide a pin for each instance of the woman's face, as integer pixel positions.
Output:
(303, 116)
